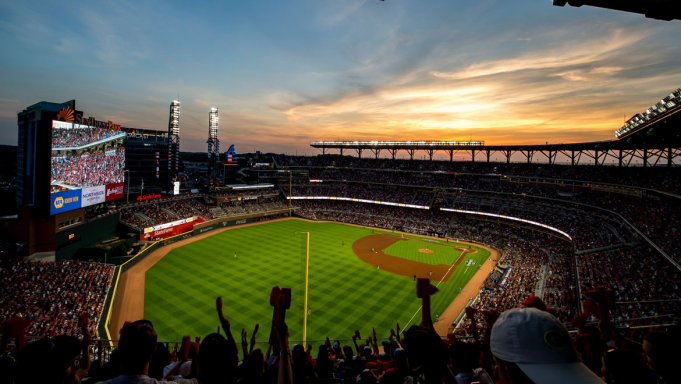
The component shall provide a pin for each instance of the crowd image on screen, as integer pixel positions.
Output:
(93, 167)
(78, 137)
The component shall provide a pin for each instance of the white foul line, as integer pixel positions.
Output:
(438, 284)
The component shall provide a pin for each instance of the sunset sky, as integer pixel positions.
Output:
(284, 72)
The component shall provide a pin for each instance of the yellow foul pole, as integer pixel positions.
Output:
(305, 309)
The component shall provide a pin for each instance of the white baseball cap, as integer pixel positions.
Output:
(541, 347)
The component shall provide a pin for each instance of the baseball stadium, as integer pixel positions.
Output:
(382, 261)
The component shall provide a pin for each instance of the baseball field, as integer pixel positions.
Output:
(358, 278)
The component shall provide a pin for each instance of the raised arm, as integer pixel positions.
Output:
(472, 327)
(255, 331)
(375, 342)
(354, 340)
(226, 326)
(424, 289)
(83, 323)
(244, 343)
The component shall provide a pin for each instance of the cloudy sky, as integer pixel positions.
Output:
(287, 72)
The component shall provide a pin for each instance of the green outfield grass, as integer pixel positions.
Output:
(442, 254)
(344, 292)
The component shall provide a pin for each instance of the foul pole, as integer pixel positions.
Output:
(307, 263)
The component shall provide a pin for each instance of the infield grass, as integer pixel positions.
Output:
(345, 293)
(409, 250)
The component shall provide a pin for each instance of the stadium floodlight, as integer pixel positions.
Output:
(213, 123)
(173, 137)
(174, 119)
(657, 110)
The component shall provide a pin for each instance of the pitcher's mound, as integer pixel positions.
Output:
(423, 250)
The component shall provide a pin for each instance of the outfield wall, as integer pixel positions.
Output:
(72, 239)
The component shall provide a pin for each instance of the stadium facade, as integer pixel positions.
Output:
(93, 162)
(146, 151)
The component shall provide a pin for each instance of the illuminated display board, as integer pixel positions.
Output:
(87, 162)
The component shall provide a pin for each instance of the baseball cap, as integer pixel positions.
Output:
(541, 347)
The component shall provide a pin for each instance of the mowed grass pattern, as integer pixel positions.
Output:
(344, 292)
(410, 250)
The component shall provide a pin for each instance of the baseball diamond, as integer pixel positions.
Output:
(180, 282)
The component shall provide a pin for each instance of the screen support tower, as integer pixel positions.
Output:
(173, 140)
(213, 142)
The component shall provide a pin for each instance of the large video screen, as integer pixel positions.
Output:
(88, 166)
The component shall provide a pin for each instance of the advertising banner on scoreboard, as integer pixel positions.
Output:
(92, 195)
(114, 191)
(84, 152)
(64, 201)
(167, 230)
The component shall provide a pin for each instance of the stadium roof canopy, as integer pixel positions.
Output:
(654, 9)
(657, 142)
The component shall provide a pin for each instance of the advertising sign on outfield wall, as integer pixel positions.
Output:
(166, 232)
(222, 224)
(168, 225)
(93, 195)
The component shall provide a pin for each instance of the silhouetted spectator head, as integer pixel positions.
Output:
(324, 366)
(218, 360)
(427, 350)
(662, 352)
(347, 352)
(536, 347)
(623, 367)
(48, 360)
(367, 377)
(464, 356)
(367, 353)
(298, 354)
(160, 359)
(400, 356)
(7, 369)
(136, 347)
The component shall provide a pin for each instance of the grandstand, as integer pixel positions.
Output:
(563, 230)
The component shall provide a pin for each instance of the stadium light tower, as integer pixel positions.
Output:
(173, 139)
(213, 142)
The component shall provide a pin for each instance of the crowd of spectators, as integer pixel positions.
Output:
(526, 343)
(529, 261)
(98, 210)
(88, 169)
(638, 276)
(53, 294)
(130, 217)
(588, 231)
(145, 214)
(661, 178)
(659, 219)
(524, 264)
(78, 137)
